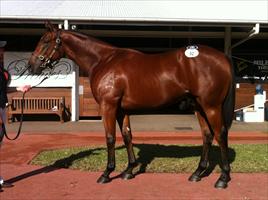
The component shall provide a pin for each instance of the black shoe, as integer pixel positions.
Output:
(6, 185)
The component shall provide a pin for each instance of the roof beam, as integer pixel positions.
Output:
(131, 33)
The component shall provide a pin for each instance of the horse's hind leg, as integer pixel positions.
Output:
(214, 116)
(124, 124)
(207, 141)
(222, 139)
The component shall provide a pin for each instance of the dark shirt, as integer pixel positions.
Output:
(3, 89)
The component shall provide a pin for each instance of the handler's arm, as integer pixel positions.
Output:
(24, 88)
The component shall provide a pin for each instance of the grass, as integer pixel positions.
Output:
(157, 158)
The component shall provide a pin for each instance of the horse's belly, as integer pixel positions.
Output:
(150, 99)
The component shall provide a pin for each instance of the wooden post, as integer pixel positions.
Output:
(228, 41)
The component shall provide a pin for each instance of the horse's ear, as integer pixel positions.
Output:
(49, 26)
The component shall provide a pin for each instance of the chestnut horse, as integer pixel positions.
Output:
(125, 80)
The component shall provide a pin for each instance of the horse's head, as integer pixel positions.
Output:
(48, 50)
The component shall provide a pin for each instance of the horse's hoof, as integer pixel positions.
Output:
(220, 184)
(194, 178)
(103, 180)
(127, 176)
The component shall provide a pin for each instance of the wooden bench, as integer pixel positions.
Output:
(37, 105)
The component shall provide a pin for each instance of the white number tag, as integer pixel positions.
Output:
(191, 51)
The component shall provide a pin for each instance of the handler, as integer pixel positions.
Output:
(4, 80)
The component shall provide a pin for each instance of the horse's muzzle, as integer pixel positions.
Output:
(34, 67)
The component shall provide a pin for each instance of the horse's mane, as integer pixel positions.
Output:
(88, 37)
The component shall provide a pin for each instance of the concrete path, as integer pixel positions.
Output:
(151, 123)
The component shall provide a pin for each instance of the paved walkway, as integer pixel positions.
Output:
(34, 183)
(37, 182)
(151, 123)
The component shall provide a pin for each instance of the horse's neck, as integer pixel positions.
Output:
(85, 51)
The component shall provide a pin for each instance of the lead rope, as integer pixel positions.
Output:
(21, 116)
(21, 120)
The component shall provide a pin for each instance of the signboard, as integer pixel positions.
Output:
(253, 68)
(16, 63)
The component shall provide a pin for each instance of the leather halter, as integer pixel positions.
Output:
(47, 62)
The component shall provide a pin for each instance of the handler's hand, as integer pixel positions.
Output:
(24, 88)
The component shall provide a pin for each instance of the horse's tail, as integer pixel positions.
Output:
(229, 101)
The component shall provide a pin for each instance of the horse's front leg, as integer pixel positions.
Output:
(109, 120)
(124, 124)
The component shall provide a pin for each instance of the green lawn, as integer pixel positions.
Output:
(157, 158)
